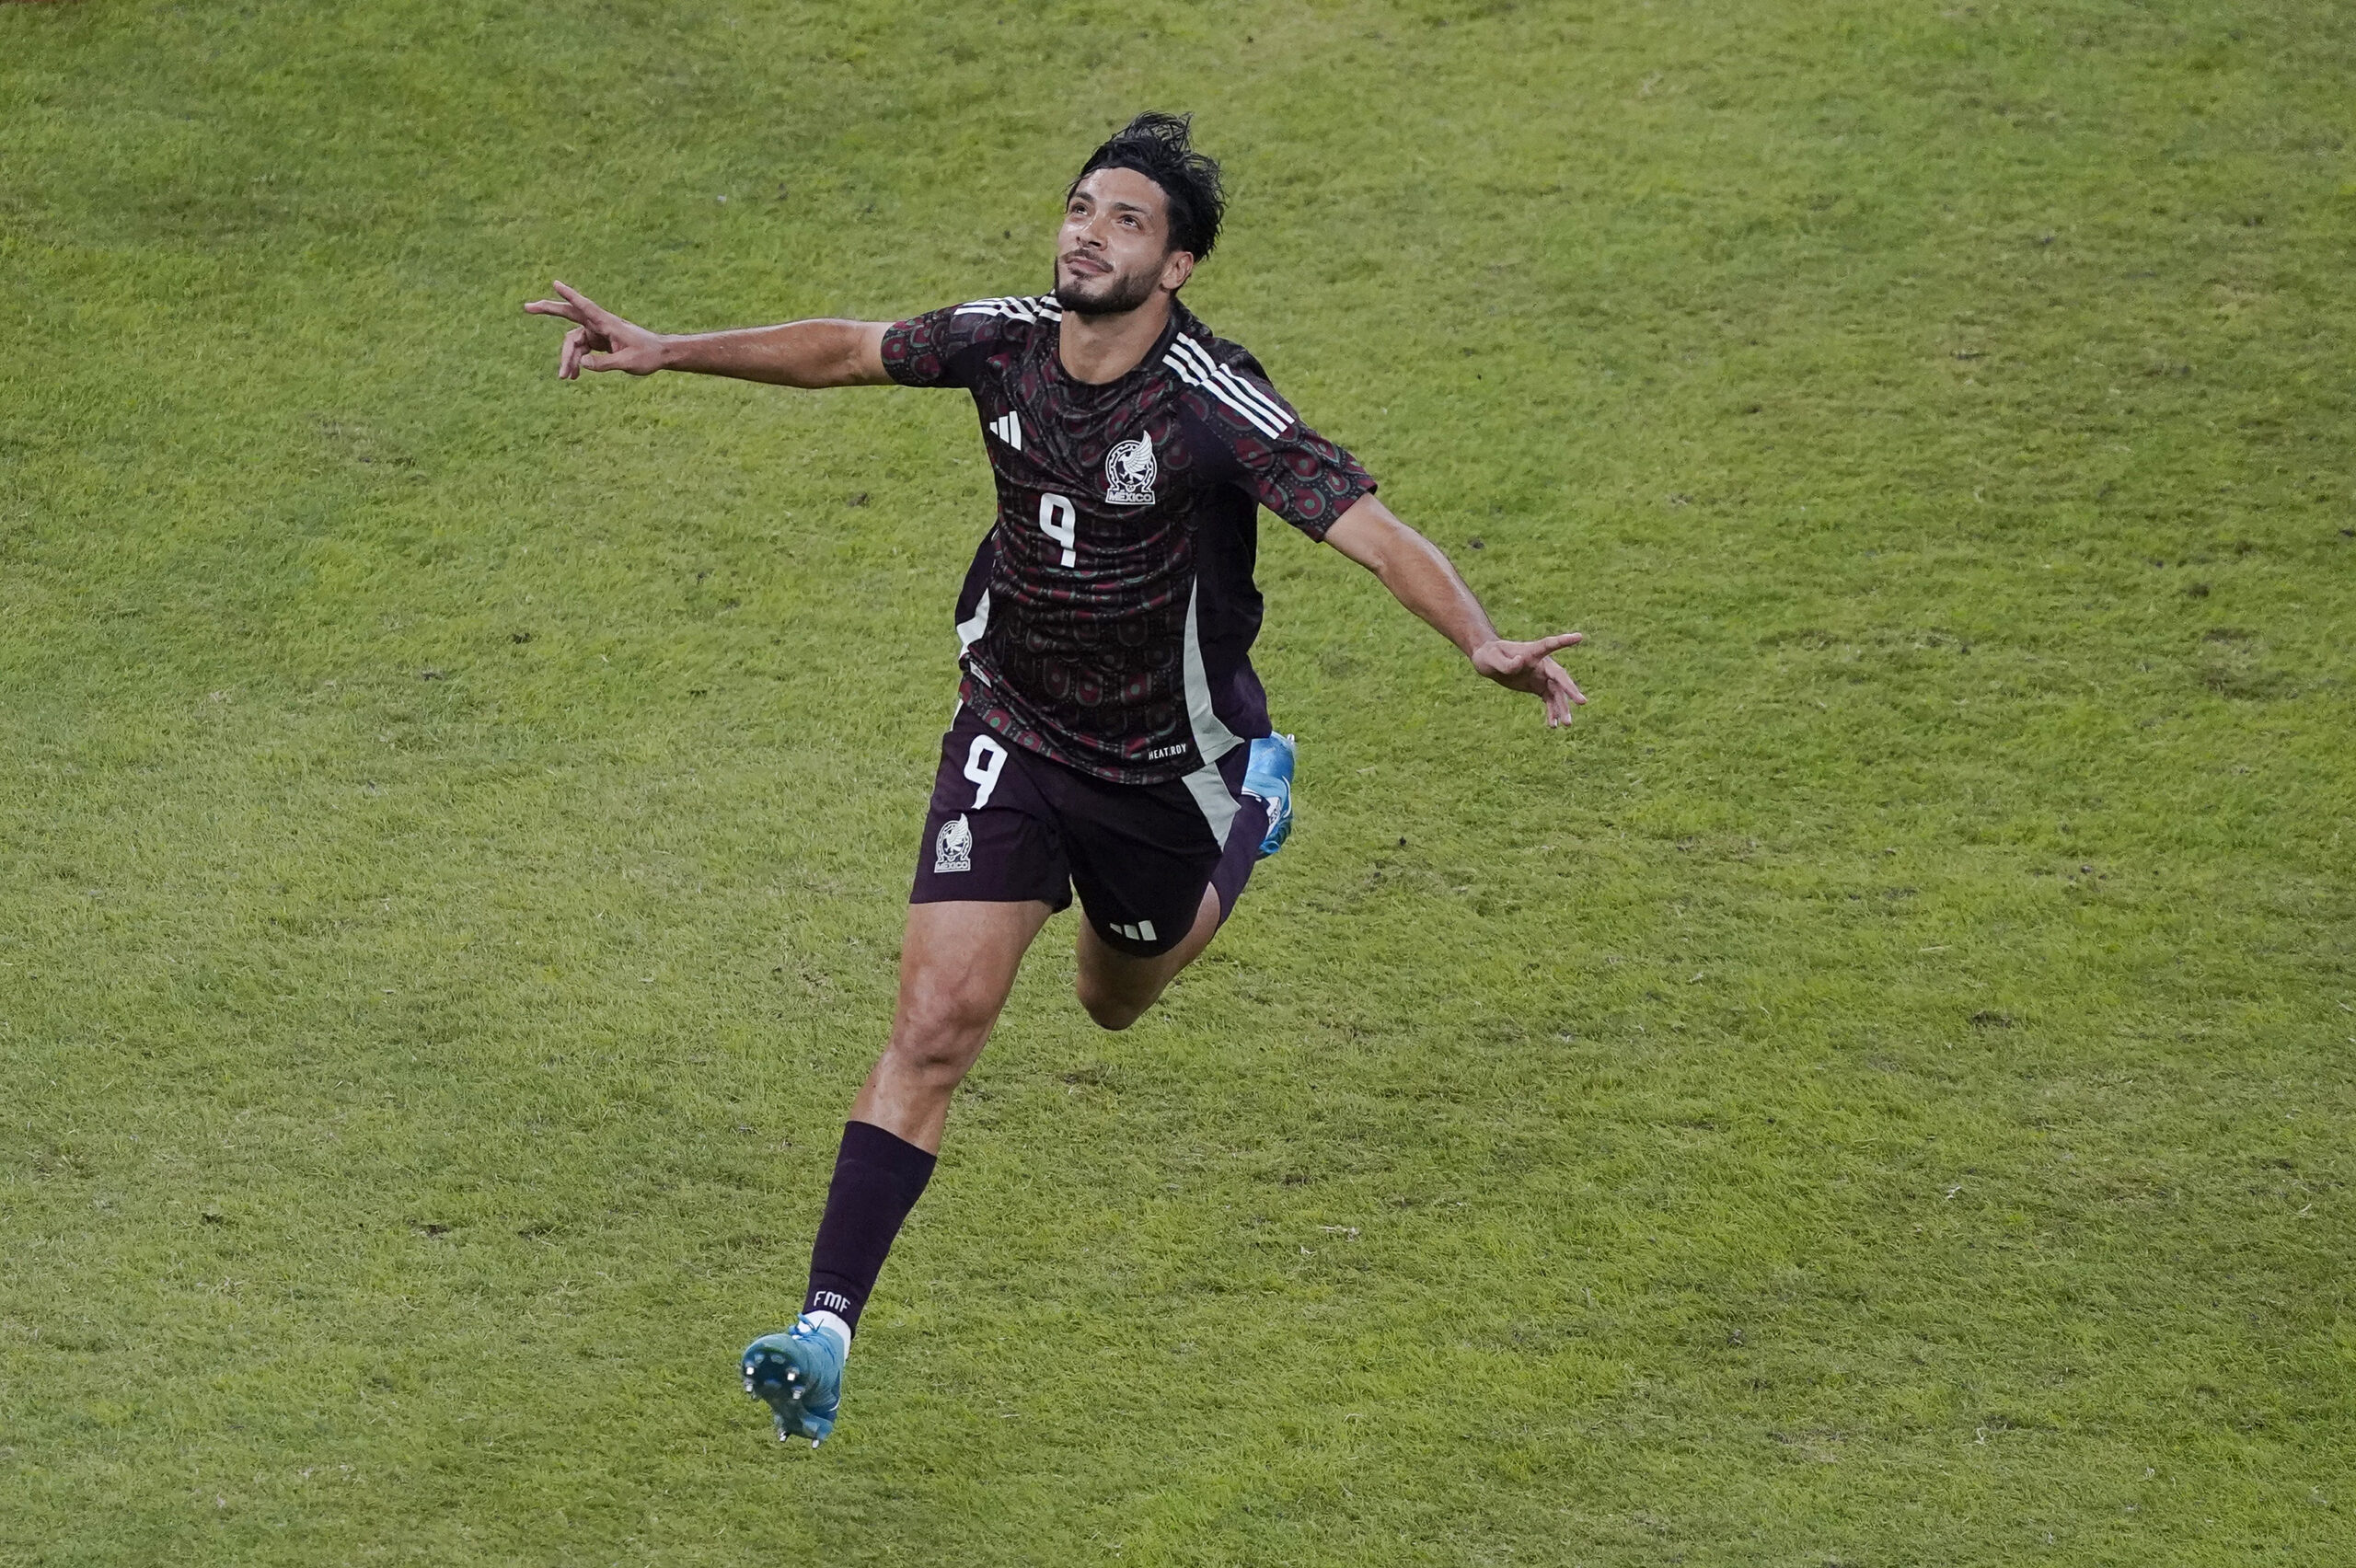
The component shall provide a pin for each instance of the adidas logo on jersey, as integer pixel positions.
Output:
(1008, 429)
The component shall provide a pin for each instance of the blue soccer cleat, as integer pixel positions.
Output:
(800, 1373)
(1268, 774)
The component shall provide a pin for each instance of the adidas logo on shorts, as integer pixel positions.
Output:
(1141, 932)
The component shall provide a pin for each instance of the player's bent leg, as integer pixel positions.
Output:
(1118, 987)
(1137, 879)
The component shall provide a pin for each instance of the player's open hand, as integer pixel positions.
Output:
(599, 339)
(1531, 667)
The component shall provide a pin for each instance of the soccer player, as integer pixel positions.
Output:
(1110, 733)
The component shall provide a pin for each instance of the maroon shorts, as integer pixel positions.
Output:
(1008, 826)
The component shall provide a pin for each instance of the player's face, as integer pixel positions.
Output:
(1114, 251)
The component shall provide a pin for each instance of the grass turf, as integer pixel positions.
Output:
(1877, 1092)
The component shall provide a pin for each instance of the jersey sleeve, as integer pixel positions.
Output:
(949, 347)
(1264, 448)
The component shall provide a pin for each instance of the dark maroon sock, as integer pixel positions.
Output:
(878, 1179)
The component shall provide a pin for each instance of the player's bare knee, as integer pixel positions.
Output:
(1112, 1016)
(1113, 1007)
(932, 1060)
(936, 1044)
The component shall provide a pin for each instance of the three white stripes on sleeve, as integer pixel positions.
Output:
(1198, 369)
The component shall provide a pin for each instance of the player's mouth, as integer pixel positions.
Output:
(1085, 265)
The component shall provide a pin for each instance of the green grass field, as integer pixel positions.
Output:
(1877, 1092)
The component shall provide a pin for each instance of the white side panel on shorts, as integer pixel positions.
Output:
(1213, 738)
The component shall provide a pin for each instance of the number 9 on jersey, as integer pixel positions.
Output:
(1057, 521)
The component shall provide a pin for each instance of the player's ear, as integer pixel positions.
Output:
(1176, 268)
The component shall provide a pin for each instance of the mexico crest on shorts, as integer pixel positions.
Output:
(953, 849)
(1128, 473)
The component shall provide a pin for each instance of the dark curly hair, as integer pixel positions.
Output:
(1156, 146)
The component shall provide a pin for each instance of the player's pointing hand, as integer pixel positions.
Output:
(599, 339)
(1531, 667)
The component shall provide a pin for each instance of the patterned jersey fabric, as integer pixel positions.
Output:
(1108, 617)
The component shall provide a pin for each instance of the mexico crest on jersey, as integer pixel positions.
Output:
(953, 848)
(1128, 473)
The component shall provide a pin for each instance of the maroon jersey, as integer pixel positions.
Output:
(1108, 617)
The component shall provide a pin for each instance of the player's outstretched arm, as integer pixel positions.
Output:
(1422, 578)
(799, 353)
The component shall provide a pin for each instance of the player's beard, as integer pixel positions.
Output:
(1114, 293)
